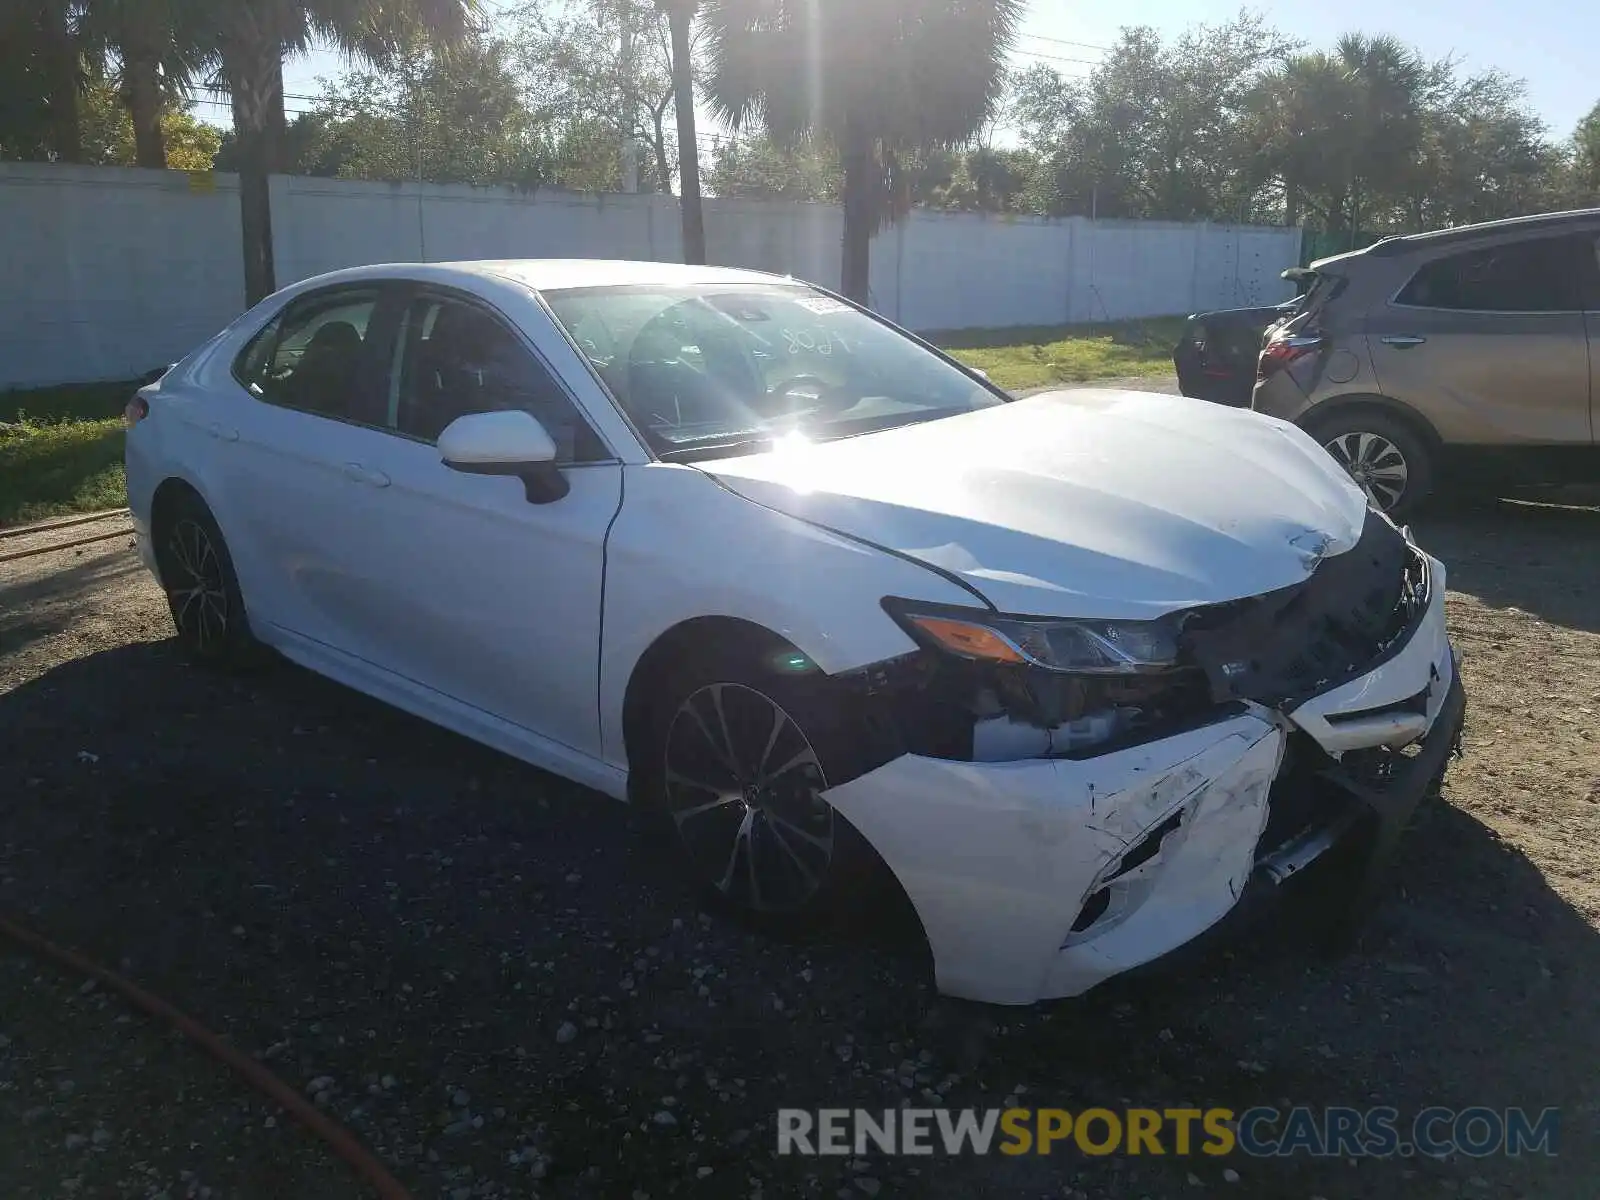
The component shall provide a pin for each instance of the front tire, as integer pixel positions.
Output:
(202, 589)
(1385, 457)
(736, 759)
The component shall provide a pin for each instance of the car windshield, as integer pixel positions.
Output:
(718, 369)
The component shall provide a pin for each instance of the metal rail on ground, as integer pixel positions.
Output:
(67, 525)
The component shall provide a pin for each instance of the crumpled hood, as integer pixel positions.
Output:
(1088, 503)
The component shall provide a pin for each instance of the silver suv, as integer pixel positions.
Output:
(1467, 356)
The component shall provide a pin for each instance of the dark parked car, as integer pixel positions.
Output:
(1216, 357)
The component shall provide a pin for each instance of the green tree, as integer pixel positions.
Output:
(879, 80)
(1586, 158)
(442, 114)
(109, 137)
(1483, 155)
(757, 168)
(42, 68)
(981, 180)
(591, 86)
(1158, 129)
(1343, 131)
(154, 49)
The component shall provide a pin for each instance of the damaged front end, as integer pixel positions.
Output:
(989, 687)
(1138, 781)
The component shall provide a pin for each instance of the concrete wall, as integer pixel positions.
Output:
(108, 272)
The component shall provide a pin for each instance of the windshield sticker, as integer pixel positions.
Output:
(822, 305)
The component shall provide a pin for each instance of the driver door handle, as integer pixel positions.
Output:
(1402, 341)
(356, 473)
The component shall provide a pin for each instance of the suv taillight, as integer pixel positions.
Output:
(1282, 350)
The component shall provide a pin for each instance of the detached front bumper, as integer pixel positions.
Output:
(1041, 878)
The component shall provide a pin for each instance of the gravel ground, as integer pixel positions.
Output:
(497, 981)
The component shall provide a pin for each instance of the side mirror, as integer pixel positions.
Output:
(980, 373)
(505, 443)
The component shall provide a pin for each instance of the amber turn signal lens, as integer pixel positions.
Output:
(967, 640)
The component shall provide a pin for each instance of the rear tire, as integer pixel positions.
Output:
(1385, 456)
(734, 758)
(202, 589)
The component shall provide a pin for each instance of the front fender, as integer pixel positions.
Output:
(683, 547)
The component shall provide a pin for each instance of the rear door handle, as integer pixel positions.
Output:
(1402, 341)
(221, 432)
(356, 473)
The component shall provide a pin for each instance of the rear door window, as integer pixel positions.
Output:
(312, 356)
(1538, 275)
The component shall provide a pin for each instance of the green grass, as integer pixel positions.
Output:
(61, 451)
(1018, 359)
(61, 447)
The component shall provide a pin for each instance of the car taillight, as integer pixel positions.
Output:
(1280, 352)
(135, 411)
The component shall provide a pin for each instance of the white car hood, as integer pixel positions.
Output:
(1089, 503)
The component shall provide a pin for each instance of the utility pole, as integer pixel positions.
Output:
(630, 101)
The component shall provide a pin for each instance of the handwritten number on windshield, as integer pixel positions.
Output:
(813, 341)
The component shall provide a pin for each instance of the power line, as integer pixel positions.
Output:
(1087, 62)
(1039, 37)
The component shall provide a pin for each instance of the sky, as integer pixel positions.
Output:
(1549, 43)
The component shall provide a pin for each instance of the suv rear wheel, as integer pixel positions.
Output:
(1383, 455)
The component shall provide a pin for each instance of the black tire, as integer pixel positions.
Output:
(744, 811)
(202, 589)
(1368, 442)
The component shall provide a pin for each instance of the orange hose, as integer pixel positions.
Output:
(336, 1136)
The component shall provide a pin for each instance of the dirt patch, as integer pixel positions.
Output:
(499, 983)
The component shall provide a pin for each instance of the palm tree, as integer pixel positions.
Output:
(879, 78)
(680, 14)
(250, 38)
(1299, 117)
(27, 84)
(1336, 125)
(161, 48)
(56, 24)
(1390, 83)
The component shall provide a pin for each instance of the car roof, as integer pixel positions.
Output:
(554, 274)
(1535, 223)
(1394, 246)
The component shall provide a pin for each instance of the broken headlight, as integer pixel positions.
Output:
(1079, 647)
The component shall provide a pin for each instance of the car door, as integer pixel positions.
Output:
(458, 582)
(292, 442)
(1490, 344)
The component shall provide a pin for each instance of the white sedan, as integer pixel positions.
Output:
(1077, 671)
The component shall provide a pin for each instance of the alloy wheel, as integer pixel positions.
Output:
(744, 789)
(198, 594)
(1375, 463)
